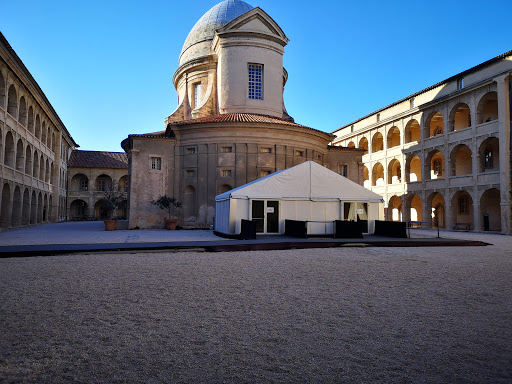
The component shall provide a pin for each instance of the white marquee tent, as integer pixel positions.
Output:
(307, 192)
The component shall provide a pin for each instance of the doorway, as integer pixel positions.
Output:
(265, 215)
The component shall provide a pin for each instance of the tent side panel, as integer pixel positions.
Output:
(222, 213)
(375, 212)
(239, 211)
(287, 212)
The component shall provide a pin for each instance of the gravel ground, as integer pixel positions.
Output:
(348, 315)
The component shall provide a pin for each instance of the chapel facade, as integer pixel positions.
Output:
(231, 126)
(442, 156)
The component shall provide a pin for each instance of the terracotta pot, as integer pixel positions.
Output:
(110, 225)
(171, 224)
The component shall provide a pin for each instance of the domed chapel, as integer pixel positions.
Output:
(231, 126)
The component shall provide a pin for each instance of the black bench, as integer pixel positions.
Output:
(466, 226)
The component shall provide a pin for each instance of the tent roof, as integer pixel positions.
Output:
(306, 181)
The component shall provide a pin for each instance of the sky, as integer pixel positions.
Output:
(106, 66)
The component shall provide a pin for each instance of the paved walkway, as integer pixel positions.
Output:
(72, 237)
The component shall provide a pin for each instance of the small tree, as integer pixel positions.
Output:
(113, 200)
(168, 203)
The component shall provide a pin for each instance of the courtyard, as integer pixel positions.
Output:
(349, 315)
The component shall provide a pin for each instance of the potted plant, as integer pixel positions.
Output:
(112, 201)
(171, 205)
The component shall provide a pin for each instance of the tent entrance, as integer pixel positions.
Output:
(265, 214)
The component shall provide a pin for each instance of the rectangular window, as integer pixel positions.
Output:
(226, 173)
(256, 81)
(226, 149)
(83, 184)
(343, 170)
(460, 83)
(197, 95)
(190, 173)
(265, 150)
(190, 151)
(299, 153)
(413, 103)
(156, 163)
(102, 185)
(378, 117)
(265, 172)
(463, 205)
(488, 162)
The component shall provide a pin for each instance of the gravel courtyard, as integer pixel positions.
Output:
(345, 315)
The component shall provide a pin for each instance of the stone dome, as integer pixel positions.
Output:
(198, 41)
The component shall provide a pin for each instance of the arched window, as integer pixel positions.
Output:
(393, 139)
(460, 117)
(28, 160)
(394, 172)
(44, 131)
(41, 169)
(435, 164)
(2, 91)
(20, 158)
(412, 131)
(35, 170)
(378, 175)
(12, 102)
(38, 127)
(434, 125)
(377, 142)
(363, 144)
(30, 125)
(461, 160)
(103, 183)
(9, 154)
(489, 155)
(22, 119)
(487, 109)
(413, 169)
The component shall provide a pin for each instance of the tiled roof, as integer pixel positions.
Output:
(338, 147)
(152, 134)
(97, 159)
(239, 118)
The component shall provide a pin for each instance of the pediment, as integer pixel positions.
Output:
(255, 21)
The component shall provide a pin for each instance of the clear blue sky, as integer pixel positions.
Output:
(106, 66)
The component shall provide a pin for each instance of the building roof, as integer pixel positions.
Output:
(452, 78)
(217, 17)
(239, 118)
(98, 159)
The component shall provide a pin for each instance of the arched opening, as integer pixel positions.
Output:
(79, 183)
(25, 215)
(30, 126)
(2, 91)
(103, 183)
(489, 153)
(490, 210)
(100, 212)
(394, 172)
(12, 102)
(413, 169)
(33, 208)
(28, 160)
(48, 137)
(78, 210)
(44, 131)
(462, 210)
(47, 173)
(487, 109)
(45, 208)
(224, 188)
(377, 142)
(54, 143)
(40, 207)
(366, 177)
(460, 117)
(189, 204)
(393, 139)
(461, 160)
(415, 209)
(351, 145)
(5, 207)
(9, 154)
(434, 125)
(412, 131)
(20, 158)
(51, 215)
(395, 209)
(22, 119)
(122, 185)
(363, 144)
(38, 127)
(438, 209)
(378, 175)
(435, 164)
(41, 168)
(16, 208)
(35, 171)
